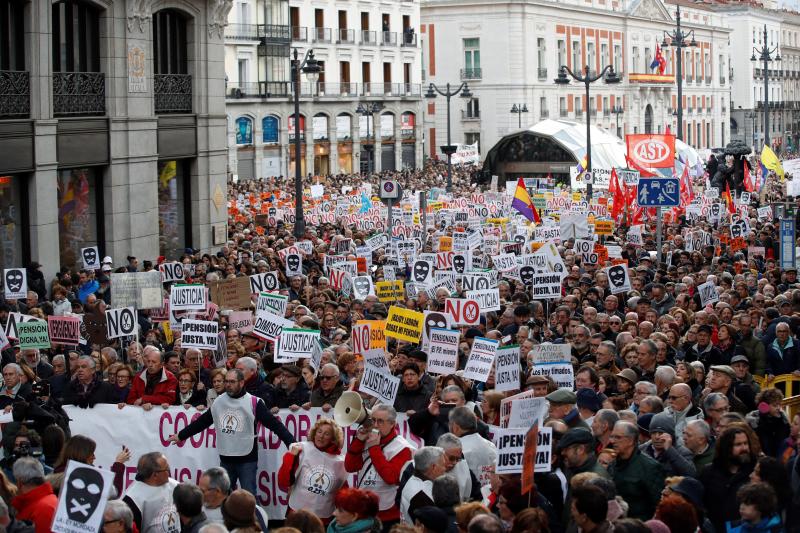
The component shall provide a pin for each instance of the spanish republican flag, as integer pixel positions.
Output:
(522, 202)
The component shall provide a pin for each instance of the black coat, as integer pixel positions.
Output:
(97, 392)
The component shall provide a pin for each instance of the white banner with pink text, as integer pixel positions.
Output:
(148, 431)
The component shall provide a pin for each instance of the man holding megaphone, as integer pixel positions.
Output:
(380, 454)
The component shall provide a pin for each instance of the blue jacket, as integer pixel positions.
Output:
(767, 525)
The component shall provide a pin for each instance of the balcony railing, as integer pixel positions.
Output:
(321, 35)
(274, 32)
(15, 94)
(409, 38)
(389, 38)
(369, 37)
(79, 93)
(241, 32)
(300, 34)
(542, 73)
(468, 116)
(470, 73)
(345, 36)
(173, 93)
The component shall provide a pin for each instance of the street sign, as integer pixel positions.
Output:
(787, 233)
(658, 192)
(390, 190)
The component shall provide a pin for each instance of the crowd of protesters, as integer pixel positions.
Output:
(673, 424)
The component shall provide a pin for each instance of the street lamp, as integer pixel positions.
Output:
(368, 111)
(678, 39)
(449, 149)
(587, 79)
(765, 55)
(519, 109)
(311, 68)
(617, 110)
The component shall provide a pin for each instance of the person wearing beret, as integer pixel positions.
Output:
(562, 406)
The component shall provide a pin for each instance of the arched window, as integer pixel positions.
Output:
(244, 130)
(270, 126)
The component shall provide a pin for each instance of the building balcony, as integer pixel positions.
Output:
(389, 38)
(369, 37)
(264, 89)
(299, 34)
(321, 35)
(345, 36)
(470, 116)
(15, 94)
(172, 93)
(274, 33)
(241, 32)
(79, 93)
(471, 73)
(409, 38)
(542, 72)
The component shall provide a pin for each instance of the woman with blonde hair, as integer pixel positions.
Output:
(307, 463)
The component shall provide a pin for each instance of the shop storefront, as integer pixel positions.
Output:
(11, 225)
(80, 209)
(173, 204)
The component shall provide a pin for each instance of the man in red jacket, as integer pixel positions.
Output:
(35, 500)
(379, 456)
(155, 385)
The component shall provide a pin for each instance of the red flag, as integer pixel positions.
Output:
(529, 458)
(728, 198)
(749, 186)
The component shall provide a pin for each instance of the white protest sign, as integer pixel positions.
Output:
(511, 446)
(271, 303)
(546, 286)
(561, 373)
(265, 281)
(379, 384)
(488, 299)
(295, 343)
(505, 262)
(15, 284)
(171, 272)
(507, 369)
(481, 359)
(547, 352)
(121, 322)
(708, 293)
(200, 334)
(82, 500)
(464, 312)
(527, 411)
(187, 298)
(443, 351)
(269, 326)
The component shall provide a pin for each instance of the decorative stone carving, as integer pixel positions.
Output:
(139, 13)
(218, 17)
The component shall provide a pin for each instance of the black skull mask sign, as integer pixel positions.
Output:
(618, 279)
(526, 273)
(422, 272)
(16, 285)
(83, 492)
(90, 257)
